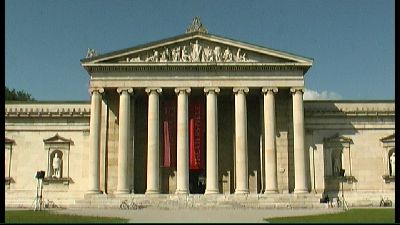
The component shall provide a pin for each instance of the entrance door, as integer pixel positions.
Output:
(196, 146)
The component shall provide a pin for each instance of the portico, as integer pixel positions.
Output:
(194, 70)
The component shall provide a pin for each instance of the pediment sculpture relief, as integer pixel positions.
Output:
(194, 52)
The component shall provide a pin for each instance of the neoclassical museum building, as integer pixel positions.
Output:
(201, 120)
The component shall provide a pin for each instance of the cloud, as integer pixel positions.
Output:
(324, 95)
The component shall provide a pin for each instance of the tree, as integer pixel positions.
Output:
(13, 95)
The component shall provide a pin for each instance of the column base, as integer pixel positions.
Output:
(271, 192)
(241, 192)
(181, 192)
(211, 192)
(152, 192)
(122, 192)
(93, 192)
(300, 191)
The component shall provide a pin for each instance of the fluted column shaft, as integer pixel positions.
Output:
(241, 158)
(153, 161)
(270, 147)
(182, 146)
(212, 141)
(123, 143)
(299, 150)
(94, 147)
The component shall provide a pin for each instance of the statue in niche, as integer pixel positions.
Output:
(196, 49)
(185, 55)
(337, 166)
(217, 54)
(392, 165)
(56, 166)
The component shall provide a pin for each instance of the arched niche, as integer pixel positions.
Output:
(388, 143)
(8, 148)
(60, 146)
(338, 162)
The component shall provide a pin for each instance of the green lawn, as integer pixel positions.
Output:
(385, 215)
(29, 216)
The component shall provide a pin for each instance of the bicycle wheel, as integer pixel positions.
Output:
(123, 205)
(133, 206)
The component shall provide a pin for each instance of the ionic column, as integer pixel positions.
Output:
(269, 137)
(212, 141)
(153, 164)
(241, 159)
(182, 146)
(94, 145)
(123, 141)
(300, 176)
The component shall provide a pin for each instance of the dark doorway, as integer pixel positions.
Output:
(197, 182)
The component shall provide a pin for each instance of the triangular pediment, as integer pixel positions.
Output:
(389, 138)
(57, 139)
(337, 140)
(197, 47)
(9, 141)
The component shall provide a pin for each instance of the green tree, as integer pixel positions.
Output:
(14, 95)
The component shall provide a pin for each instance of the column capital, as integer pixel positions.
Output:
(156, 89)
(121, 89)
(214, 89)
(241, 89)
(98, 89)
(265, 90)
(185, 89)
(293, 90)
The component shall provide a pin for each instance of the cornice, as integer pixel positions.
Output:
(45, 111)
(316, 109)
(207, 67)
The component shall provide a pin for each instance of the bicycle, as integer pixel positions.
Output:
(125, 205)
(50, 204)
(385, 202)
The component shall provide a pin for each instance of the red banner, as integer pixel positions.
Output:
(196, 135)
(169, 133)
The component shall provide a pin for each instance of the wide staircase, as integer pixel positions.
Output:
(204, 201)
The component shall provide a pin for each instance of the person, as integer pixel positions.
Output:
(392, 164)
(56, 166)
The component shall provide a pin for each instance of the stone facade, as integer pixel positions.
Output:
(254, 135)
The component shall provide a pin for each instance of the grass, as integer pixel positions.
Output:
(352, 216)
(30, 216)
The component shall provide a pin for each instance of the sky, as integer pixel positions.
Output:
(351, 41)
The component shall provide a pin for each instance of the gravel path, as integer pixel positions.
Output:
(154, 215)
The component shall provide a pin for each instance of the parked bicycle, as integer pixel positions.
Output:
(129, 205)
(50, 204)
(385, 202)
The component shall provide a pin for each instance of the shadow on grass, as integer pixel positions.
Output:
(377, 215)
(29, 216)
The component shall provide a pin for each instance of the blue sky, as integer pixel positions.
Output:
(351, 41)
